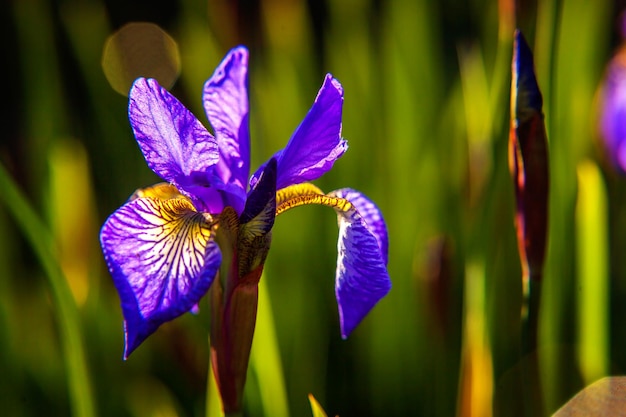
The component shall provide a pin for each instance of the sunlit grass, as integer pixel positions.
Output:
(426, 118)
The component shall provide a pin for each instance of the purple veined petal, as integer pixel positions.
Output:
(175, 144)
(316, 144)
(225, 99)
(362, 278)
(371, 216)
(162, 259)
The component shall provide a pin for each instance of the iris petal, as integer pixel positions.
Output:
(316, 144)
(362, 278)
(370, 214)
(162, 259)
(175, 144)
(225, 99)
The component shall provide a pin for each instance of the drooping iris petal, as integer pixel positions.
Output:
(225, 99)
(362, 278)
(175, 144)
(162, 259)
(316, 144)
(370, 214)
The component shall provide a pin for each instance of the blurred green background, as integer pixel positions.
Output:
(426, 115)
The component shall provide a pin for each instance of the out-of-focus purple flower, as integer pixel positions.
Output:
(613, 111)
(165, 246)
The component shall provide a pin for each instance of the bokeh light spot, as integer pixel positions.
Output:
(140, 49)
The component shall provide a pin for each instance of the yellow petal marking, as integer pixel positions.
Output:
(171, 238)
(306, 193)
(160, 191)
(177, 233)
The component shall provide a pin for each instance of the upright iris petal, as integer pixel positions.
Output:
(225, 99)
(317, 143)
(175, 144)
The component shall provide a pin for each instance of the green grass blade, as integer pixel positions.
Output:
(593, 277)
(41, 242)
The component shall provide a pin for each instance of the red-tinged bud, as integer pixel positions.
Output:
(528, 161)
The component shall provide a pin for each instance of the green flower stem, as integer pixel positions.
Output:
(530, 315)
(265, 361)
(531, 378)
(213, 405)
(42, 244)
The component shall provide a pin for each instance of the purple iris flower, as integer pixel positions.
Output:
(161, 246)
